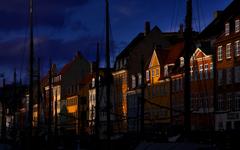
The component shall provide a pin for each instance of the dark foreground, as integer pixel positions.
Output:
(196, 141)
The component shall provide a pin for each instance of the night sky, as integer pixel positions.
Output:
(63, 27)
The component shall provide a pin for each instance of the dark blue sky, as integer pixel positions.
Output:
(63, 27)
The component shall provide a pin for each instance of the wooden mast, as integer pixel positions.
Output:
(31, 61)
(108, 73)
(50, 99)
(39, 95)
(97, 94)
(188, 50)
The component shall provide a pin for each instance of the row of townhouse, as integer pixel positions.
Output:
(223, 36)
(214, 82)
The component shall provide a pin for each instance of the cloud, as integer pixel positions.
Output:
(14, 13)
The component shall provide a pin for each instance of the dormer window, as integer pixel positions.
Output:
(181, 61)
(227, 29)
(237, 25)
(165, 71)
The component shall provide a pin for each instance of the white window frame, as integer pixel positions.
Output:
(237, 48)
(219, 53)
(181, 61)
(201, 71)
(206, 70)
(228, 51)
(147, 75)
(237, 25)
(165, 71)
(133, 81)
(227, 29)
(139, 79)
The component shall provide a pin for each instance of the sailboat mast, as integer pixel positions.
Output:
(188, 49)
(108, 71)
(97, 94)
(31, 60)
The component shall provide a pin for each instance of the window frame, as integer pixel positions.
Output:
(219, 53)
(227, 29)
(237, 25)
(228, 51)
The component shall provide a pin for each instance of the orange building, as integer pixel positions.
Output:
(201, 70)
(158, 95)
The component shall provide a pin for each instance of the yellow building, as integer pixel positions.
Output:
(157, 92)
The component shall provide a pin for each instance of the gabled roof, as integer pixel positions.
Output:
(131, 45)
(135, 42)
(171, 54)
(217, 25)
(67, 66)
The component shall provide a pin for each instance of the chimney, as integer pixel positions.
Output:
(217, 14)
(147, 28)
(78, 54)
(181, 28)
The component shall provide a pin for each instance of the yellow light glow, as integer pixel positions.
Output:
(72, 109)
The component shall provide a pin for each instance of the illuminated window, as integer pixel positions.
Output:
(219, 53)
(157, 72)
(93, 82)
(211, 71)
(191, 72)
(147, 75)
(153, 73)
(237, 24)
(201, 71)
(165, 71)
(227, 29)
(228, 50)
(181, 61)
(133, 81)
(139, 79)
(206, 71)
(237, 48)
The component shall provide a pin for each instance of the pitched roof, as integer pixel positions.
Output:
(131, 45)
(67, 66)
(217, 25)
(135, 42)
(171, 54)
